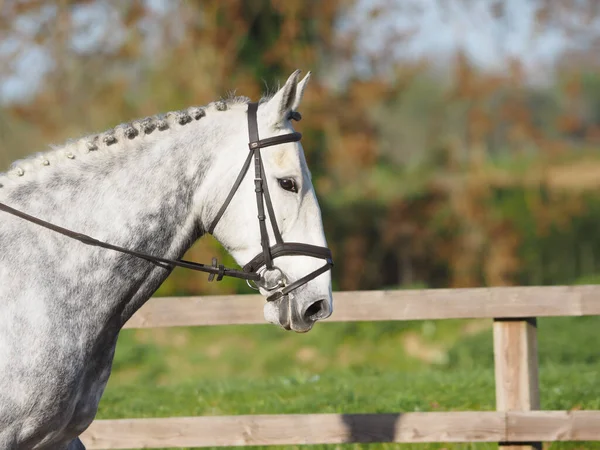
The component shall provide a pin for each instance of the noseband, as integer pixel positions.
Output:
(250, 272)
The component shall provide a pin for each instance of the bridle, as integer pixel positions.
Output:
(262, 197)
(252, 270)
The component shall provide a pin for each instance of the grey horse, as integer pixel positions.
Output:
(153, 186)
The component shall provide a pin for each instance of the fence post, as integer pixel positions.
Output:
(516, 369)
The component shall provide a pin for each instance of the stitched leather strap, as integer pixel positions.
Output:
(270, 209)
(258, 184)
(296, 284)
(232, 192)
(289, 249)
(274, 140)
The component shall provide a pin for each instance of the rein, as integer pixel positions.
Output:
(213, 270)
(250, 272)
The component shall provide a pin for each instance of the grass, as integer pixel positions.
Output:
(350, 368)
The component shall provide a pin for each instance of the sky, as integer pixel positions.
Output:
(439, 28)
(94, 25)
(442, 27)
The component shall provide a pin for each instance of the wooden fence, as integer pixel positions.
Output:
(517, 423)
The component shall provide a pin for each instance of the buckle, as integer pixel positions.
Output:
(220, 274)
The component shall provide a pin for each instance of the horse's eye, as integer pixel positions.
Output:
(289, 184)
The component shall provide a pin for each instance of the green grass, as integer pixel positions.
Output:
(342, 368)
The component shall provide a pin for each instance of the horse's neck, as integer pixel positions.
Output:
(139, 198)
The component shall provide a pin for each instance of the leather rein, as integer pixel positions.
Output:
(251, 271)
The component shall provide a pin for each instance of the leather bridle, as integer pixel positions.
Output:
(262, 197)
(252, 270)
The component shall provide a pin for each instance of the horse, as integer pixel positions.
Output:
(90, 229)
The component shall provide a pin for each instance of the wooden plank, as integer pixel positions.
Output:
(295, 430)
(585, 425)
(197, 311)
(516, 369)
(553, 426)
(220, 431)
(428, 304)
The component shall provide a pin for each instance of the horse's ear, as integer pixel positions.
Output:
(286, 99)
(300, 92)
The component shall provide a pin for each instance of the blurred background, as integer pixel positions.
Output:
(453, 143)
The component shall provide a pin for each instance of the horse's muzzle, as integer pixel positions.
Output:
(290, 318)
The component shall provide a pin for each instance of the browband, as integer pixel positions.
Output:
(275, 140)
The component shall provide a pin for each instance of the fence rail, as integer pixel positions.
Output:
(299, 429)
(382, 305)
(516, 424)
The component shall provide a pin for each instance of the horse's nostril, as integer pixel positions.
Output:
(315, 311)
